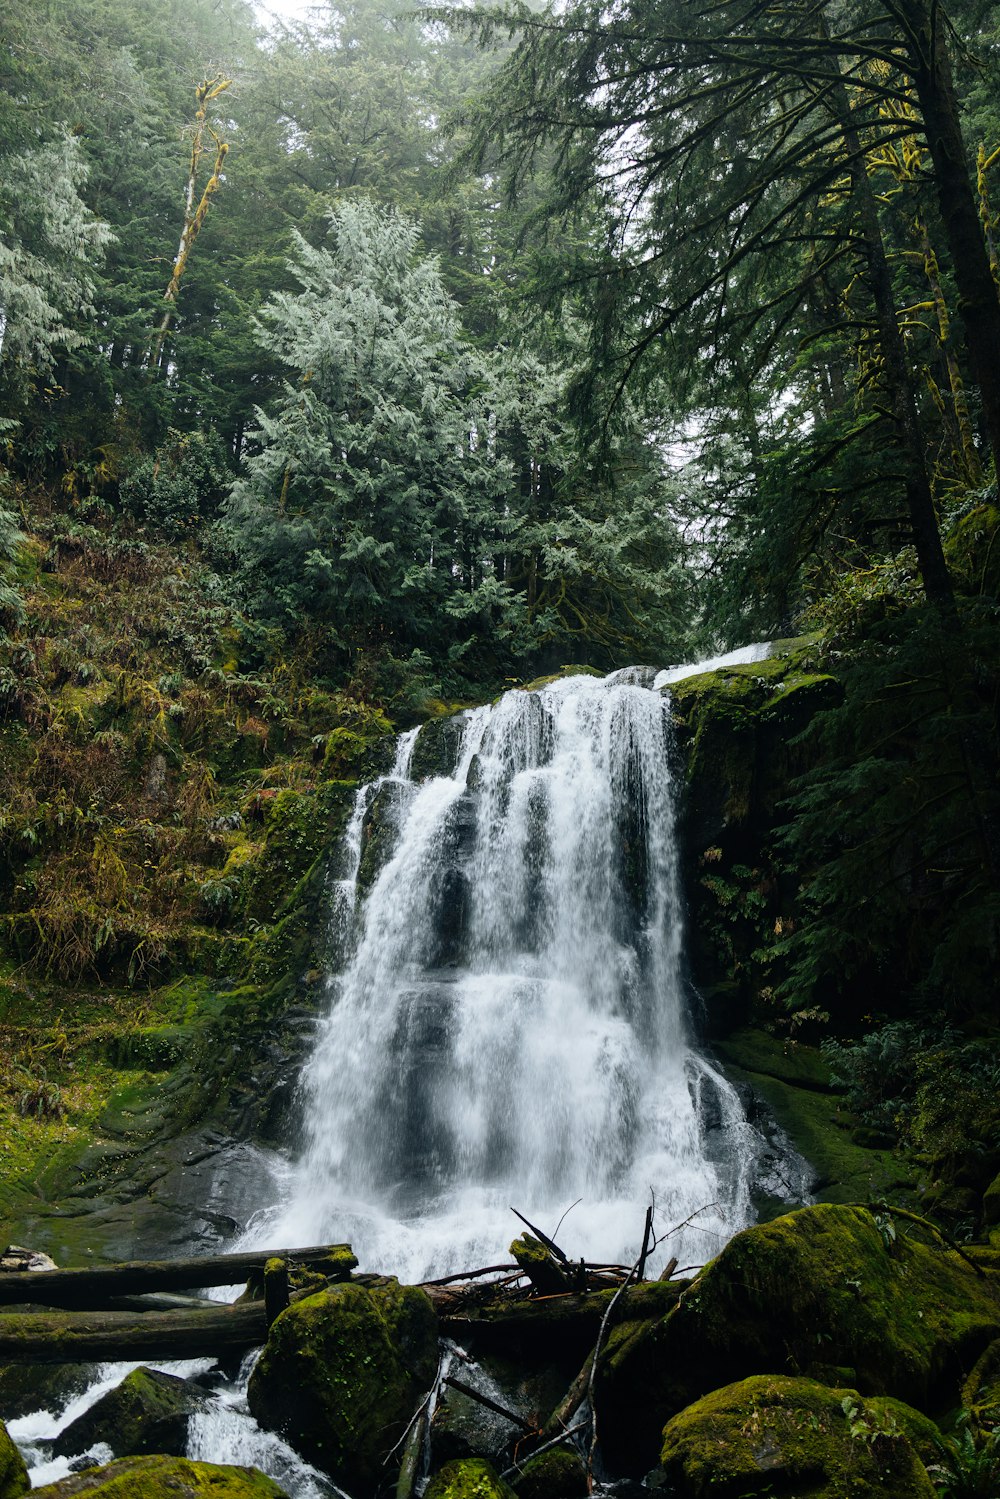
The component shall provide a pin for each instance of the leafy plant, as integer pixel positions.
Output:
(967, 1469)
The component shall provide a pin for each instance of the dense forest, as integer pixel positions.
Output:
(358, 367)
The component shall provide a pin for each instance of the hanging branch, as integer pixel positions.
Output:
(194, 217)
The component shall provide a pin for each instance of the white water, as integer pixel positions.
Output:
(512, 1028)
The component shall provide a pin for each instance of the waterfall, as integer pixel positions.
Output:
(510, 1028)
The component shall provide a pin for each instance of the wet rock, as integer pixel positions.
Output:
(148, 1412)
(468, 1478)
(768, 1435)
(904, 1316)
(558, 1474)
(343, 1372)
(164, 1478)
(13, 1474)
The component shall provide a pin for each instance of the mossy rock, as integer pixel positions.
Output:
(435, 752)
(560, 676)
(558, 1474)
(342, 1373)
(14, 1478)
(825, 1287)
(148, 1412)
(164, 1478)
(772, 1435)
(846, 1170)
(468, 1478)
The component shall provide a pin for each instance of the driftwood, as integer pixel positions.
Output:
(84, 1338)
(85, 1289)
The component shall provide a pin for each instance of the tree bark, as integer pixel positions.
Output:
(978, 302)
(919, 499)
(83, 1338)
(83, 1288)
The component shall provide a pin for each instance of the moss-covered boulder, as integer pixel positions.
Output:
(827, 1292)
(468, 1478)
(148, 1412)
(773, 1435)
(558, 1474)
(14, 1478)
(435, 752)
(342, 1373)
(164, 1478)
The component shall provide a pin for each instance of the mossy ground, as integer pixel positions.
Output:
(794, 1081)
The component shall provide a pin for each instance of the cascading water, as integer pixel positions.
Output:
(512, 1028)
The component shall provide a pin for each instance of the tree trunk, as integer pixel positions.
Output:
(977, 293)
(84, 1288)
(919, 499)
(97, 1337)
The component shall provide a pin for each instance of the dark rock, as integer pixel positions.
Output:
(560, 1473)
(148, 1412)
(24, 1388)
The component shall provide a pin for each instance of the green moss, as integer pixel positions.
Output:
(342, 1373)
(164, 1478)
(845, 1170)
(826, 1286)
(758, 1052)
(468, 1478)
(769, 1435)
(13, 1473)
(559, 676)
(558, 1474)
(146, 1413)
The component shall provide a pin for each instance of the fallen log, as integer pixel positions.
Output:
(84, 1338)
(83, 1289)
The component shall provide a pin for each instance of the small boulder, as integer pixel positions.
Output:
(14, 1479)
(342, 1374)
(768, 1435)
(148, 1412)
(164, 1478)
(468, 1478)
(560, 1473)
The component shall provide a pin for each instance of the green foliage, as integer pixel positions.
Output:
(892, 831)
(967, 1469)
(180, 485)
